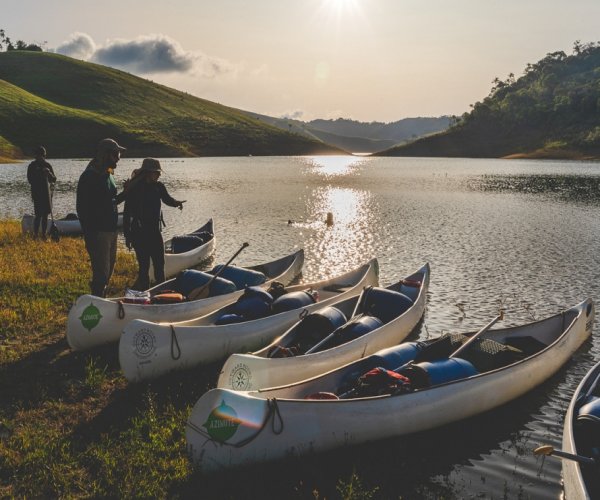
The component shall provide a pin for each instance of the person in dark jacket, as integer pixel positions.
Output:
(142, 219)
(40, 175)
(97, 202)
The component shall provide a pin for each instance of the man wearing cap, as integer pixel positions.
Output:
(142, 220)
(41, 177)
(97, 210)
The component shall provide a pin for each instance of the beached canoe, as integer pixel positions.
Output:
(367, 400)
(581, 436)
(148, 350)
(68, 225)
(93, 321)
(194, 248)
(333, 336)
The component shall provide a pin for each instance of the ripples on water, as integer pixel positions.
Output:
(518, 234)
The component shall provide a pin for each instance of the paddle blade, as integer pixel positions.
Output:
(54, 233)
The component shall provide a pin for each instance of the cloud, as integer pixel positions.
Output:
(146, 55)
(78, 46)
(293, 115)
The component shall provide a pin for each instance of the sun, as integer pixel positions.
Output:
(340, 6)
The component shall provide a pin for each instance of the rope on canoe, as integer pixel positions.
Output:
(121, 311)
(272, 411)
(174, 344)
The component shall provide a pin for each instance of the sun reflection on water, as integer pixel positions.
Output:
(335, 166)
(348, 242)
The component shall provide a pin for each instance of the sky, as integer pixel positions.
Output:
(367, 60)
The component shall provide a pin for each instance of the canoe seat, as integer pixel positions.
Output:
(529, 345)
(487, 354)
(441, 347)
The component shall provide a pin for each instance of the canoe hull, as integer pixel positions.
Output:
(573, 480)
(94, 321)
(70, 227)
(149, 350)
(256, 371)
(311, 426)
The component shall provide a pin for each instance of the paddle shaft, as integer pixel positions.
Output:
(196, 293)
(477, 335)
(549, 450)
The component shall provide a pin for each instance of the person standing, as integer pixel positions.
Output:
(40, 175)
(97, 202)
(142, 219)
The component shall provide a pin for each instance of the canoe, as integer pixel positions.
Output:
(176, 261)
(297, 355)
(148, 350)
(68, 225)
(94, 321)
(581, 436)
(230, 428)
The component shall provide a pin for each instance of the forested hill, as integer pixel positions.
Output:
(68, 105)
(552, 111)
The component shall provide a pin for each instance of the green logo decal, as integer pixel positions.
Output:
(222, 423)
(90, 317)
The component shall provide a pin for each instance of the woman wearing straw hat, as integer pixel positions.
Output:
(142, 219)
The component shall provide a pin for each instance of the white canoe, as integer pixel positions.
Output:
(148, 350)
(68, 225)
(228, 428)
(93, 321)
(581, 434)
(244, 372)
(176, 262)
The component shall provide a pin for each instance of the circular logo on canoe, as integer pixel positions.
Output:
(240, 377)
(90, 317)
(144, 343)
(222, 423)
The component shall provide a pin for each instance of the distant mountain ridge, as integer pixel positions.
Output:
(364, 137)
(552, 111)
(69, 105)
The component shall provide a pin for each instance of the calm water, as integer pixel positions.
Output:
(521, 234)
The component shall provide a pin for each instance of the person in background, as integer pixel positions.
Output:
(142, 219)
(40, 175)
(97, 202)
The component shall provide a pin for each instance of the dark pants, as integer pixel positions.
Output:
(41, 211)
(102, 249)
(149, 245)
(43, 219)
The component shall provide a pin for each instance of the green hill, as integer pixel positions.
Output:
(552, 111)
(68, 105)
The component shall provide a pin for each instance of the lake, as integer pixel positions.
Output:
(520, 234)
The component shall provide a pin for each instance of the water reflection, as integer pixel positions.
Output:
(568, 187)
(348, 242)
(335, 166)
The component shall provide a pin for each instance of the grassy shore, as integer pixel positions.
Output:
(71, 426)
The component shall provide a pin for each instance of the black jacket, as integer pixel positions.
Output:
(143, 207)
(97, 200)
(39, 179)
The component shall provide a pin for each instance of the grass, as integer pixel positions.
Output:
(71, 426)
(68, 105)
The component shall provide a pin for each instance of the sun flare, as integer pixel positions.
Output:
(340, 6)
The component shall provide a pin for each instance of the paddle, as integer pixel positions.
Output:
(202, 291)
(478, 334)
(548, 450)
(54, 232)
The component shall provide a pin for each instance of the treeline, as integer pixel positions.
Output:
(553, 110)
(559, 94)
(7, 43)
